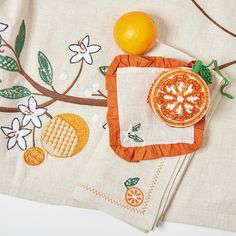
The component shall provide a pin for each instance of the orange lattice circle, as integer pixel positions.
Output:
(134, 196)
(179, 97)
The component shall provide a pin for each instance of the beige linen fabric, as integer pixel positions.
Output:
(204, 198)
(207, 194)
(102, 183)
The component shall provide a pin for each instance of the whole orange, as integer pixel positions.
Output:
(135, 32)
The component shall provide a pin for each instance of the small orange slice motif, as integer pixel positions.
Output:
(179, 97)
(134, 196)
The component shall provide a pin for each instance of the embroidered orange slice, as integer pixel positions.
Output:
(34, 156)
(65, 135)
(134, 196)
(179, 97)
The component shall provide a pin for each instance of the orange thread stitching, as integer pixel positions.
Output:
(121, 205)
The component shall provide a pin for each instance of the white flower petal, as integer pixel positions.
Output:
(93, 48)
(74, 47)
(11, 142)
(21, 143)
(6, 130)
(36, 121)
(15, 124)
(24, 132)
(32, 104)
(86, 40)
(88, 58)
(76, 58)
(26, 120)
(3, 27)
(23, 109)
(40, 111)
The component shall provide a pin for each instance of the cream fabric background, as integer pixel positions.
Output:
(207, 194)
(153, 130)
(101, 184)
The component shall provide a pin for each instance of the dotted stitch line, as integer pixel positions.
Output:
(121, 205)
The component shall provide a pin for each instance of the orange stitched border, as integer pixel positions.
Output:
(134, 154)
(147, 198)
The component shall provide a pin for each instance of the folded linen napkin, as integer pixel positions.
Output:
(138, 193)
(53, 181)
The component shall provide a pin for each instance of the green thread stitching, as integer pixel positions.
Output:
(20, 39)
(205, 73)
(131, 182)
(45, 69)
(135, 137)
(103, 69)
(15, 92)
(8, 63)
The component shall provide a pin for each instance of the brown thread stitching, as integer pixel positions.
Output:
(212, 20)
(223, 66)
(53, 94)
(119, 204)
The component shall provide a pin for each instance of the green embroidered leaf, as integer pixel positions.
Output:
(15, 92)
(206, 74)
(8, 63)
(136, 127)
(45, 69)
(103, 69)
(20, 39)
(197, 66)
(137, 139)
(131, 182)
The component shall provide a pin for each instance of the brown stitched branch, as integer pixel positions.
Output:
(99, 94)
(53, 94)
(75, 80)
(212, 20)
(33, 136)
(63, 97)
(38, 94)
(223, 66)
(48, 115)
(53, 89)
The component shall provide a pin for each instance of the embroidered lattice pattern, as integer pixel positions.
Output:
(7, 63)
(59, 138)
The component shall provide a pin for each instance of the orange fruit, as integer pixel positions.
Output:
(179, 97)
(135, 32)
(34, 156)
(65, 135)
(134, 196)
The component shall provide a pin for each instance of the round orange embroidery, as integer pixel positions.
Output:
(134, 196)
(179, 97)
(65, 135)
(34, 156)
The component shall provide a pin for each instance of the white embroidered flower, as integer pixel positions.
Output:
(3, 27)
(83, 51)
(32, 113)
(16, 135)
(128, 135)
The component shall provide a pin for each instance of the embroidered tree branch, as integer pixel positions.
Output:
(46, 73)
